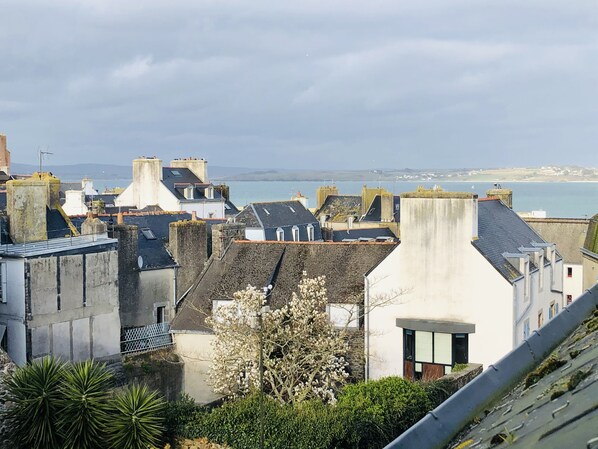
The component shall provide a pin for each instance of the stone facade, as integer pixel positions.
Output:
(4, 155)
(223, 234)
(187, 242)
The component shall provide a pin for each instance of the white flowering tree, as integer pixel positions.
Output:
(303, 354)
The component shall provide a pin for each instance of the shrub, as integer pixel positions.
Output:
(381, 410)
(178, 415)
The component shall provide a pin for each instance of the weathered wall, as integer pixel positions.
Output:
(199, 167)
(128, 269)
(155, 290)
(4, 155)
(196, 352)
(12, 312)
(188, 244)
(26, 202)
(590, 271)
(74, 306)
(223, 234)
(159, 370)
(74, 203)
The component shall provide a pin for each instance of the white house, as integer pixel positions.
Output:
(183, 186)
(471, 280)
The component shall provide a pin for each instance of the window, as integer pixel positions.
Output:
(160, 314)
(3, 337)
(176, 173)
(526, 329)
(569, 299)
(280, 234)
(540, 318)
(552, 310)
(3, 280)
(210, 214)
(295, 231)
(210, 193)
(266, 211)
(148, 234)
(292, 210)
(569, 272)
(189, 192)
(310, 232)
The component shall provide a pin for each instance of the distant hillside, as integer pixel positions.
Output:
(112, 172)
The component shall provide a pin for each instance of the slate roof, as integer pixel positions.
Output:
(246, 262)
(591, 242)
(276, 214)
(56, 225)
(374, 213)
(338, 207)
(176, 179)
(550, 402)
(2, 199)
(364, 233)
(568, 234)
(500, 230)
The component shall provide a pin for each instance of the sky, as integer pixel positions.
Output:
(315, 84)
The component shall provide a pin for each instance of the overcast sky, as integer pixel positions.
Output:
(302, 84)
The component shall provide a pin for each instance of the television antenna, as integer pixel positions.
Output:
(41, 154)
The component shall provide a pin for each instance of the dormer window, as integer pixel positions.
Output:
(295, 231)
(210, 193)
(310, 232)
(189, 192)
(279, 234)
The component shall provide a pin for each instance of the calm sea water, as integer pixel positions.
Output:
(558, 199)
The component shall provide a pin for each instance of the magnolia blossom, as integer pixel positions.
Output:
(303, 353)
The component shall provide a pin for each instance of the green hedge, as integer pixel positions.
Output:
(367, 415)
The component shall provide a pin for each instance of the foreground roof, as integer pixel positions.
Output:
(568, 234)
(254, 263)
(554, 403)
(500, 231)
(71, 245)
(275, 214)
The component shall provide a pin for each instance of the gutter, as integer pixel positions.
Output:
(441, 425)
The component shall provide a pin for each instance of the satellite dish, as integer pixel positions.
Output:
(140, 262)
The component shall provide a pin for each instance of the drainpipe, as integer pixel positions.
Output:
(174, 288)
(366, 284)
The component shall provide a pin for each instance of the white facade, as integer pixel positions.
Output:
(74, 203)
(148, 189)
(439, 279)
(572, 282)
(255, 234)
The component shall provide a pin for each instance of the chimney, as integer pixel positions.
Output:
(387, 207)
(93, 226)
(193, 216)
(188, 244)
(505, 195)
(368, 195)
(302, 199)
(128, 274)
(223, 234)
(4, 155)
(26, 203)
(147, 176)
(119, 218)
(74, 203)
(199, 167)
(224, 191)
(324, 192)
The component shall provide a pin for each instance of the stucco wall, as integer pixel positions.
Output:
(590, 271)
(87, 323)
(256, 234)
(12, 313)
(195, 351)
(155, 290)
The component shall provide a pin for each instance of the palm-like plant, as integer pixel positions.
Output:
(137, 419)
(85, 408)
(33, 417)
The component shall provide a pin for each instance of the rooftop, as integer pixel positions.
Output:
(567, 233)
(56, 245)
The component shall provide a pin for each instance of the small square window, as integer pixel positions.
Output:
(569, 299)
(569, 272)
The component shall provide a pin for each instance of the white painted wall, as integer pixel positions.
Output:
(12, 313)
(257, 234)
(195, 349)
(440, 275)
(74, 203)
(205, 208)
(572, 285)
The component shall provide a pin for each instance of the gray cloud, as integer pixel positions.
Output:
(335, 84)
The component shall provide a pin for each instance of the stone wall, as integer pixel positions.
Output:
(223, 234)
(188, 244)
(159, 370)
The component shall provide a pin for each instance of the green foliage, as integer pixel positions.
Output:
(381, 410)
(35, 393)
(459, 367)
(84, 412)
(439, 391)
(57, 406)
(178, 415)
(367, 415)
(136, 419)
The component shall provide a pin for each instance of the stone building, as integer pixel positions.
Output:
(4, 156)
(280, 264)
(590, 254)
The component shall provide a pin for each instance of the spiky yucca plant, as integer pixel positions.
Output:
(35, 396)
(136, 421)
(84, 413)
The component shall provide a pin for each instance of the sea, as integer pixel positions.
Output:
(556, 199)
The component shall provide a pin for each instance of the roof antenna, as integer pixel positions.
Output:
(41, 157)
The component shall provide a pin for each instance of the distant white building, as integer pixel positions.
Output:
(472, 279)
(183, 186)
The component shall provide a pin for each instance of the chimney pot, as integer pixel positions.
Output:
(193, 216)
(119, 218)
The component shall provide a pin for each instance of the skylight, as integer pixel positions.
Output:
(292, 210)
(266, 210)
(148, 234)
(176, 173)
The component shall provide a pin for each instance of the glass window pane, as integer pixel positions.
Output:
(442, 348)
(423, 346)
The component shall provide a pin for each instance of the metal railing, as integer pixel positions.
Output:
(145, 338)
